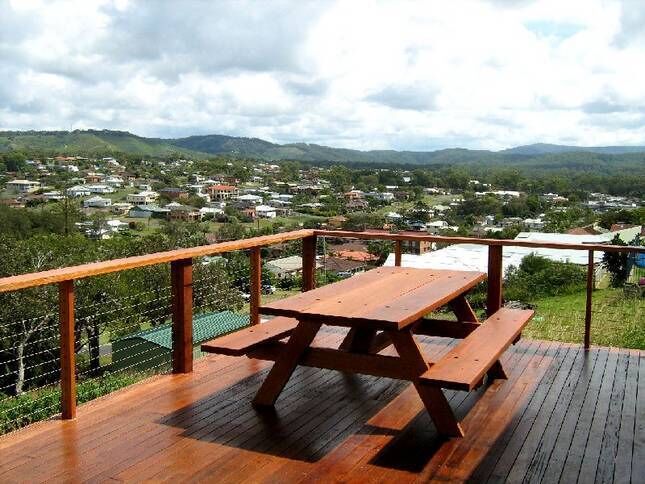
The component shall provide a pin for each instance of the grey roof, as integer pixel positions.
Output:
(205, 327)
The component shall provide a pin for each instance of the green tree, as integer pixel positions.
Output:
(616, 264)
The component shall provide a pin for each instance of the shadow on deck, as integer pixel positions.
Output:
(564, 414)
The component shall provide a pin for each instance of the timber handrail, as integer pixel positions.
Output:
(181, 261)
(407, 236)
(24, 281)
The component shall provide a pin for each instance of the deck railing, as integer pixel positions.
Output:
(181, 290)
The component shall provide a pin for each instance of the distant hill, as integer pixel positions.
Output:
(105, 142)
(544, 148)
(90, 142)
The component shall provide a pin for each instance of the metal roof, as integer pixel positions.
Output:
(205, 327)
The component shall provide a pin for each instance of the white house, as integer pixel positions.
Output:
(97, 202)
(534, 223)
(23, 186)
(210, 211)
(53, 195)
(143, 198)
(78, 191)
(113, 180)
(265, 211)
(99, 188)
(249, 200)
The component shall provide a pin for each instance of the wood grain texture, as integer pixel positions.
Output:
(398, 253)
(367, 235)
(383, 298)
(464, 366)
(495, 279)
(13, 283)
(286, 363)
(308, 263)
(244, 340)
(67, 351)
(181, 279)
(255, 284)
(197, 427)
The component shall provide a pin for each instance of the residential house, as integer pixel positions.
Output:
(210, 211)
(148, 211)
(94, 177)
(222, 192)
(174, 193)
(183, 213)
(417, 247)
(342, 267)
(114, 181)
(121, 208)
(97, 202)
(248, 200)
(99, 188)
(23, 186)
(143, 198)
(287, 266)
(78, 191)
(53, 195)
(265, 211)
(534, 224)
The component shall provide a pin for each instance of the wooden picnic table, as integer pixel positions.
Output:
(381, 307)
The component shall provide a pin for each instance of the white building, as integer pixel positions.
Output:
(249, 200)
(265, 211)
(143, 198)
(23, 186)
(113, 180)
(534, 223)
(53, 195)
(97, 202)
(99, 188)
(78, 191)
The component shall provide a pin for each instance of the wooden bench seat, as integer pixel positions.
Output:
(464, 367)
(245, 340)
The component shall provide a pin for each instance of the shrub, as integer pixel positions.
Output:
(538, 277)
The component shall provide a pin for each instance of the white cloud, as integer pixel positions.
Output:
(363, 74)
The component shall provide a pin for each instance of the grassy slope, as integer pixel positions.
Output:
(91, 143)
(616, 320)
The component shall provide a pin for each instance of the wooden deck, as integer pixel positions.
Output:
(564, 415)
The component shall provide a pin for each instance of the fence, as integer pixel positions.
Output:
(180, 291)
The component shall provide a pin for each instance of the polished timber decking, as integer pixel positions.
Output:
(564, 415)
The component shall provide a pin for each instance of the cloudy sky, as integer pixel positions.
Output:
(359, 74)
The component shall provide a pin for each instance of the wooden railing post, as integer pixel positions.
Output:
(255, 285)
(494, 297)
(181, 275)
(397, 253)
(67, 353)
(590, 283)
(308, 263)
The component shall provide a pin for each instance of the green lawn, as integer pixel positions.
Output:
(616, 320)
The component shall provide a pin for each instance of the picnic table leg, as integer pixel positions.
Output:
(433, 398)
(286, 363)
(461, 307)
(358, 340)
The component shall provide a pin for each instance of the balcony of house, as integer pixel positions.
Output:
(188, 389)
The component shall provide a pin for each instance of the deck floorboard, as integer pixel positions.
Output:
(564, 414)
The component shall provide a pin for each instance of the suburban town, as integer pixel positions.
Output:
(334, 241)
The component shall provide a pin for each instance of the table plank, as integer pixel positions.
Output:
(383, 298)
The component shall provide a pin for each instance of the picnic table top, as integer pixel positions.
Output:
(387, 298)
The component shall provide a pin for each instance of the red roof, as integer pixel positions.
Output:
(225, 188)
(356, 255)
